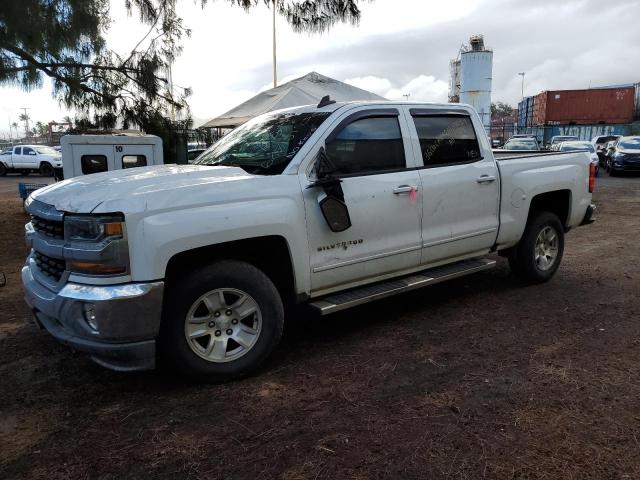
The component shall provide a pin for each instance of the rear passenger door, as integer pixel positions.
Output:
(370, 154)
(460, 182)
(16, 157)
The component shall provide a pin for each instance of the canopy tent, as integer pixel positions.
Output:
(305, 90)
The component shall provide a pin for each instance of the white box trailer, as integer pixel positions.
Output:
(86, 154)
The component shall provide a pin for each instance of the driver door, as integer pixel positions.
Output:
(371, 157)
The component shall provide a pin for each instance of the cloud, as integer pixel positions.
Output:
(372, 83)
(424, 88)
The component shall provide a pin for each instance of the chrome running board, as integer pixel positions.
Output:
(369, 293)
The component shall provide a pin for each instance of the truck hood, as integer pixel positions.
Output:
(139, 189)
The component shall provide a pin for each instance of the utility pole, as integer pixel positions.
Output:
(406, 96)
(522, 75)
(26, 121)
(275, 74)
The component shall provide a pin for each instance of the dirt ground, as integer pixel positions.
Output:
(476, 378)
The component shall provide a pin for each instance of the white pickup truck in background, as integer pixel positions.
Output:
(332, 206)
(30, 158)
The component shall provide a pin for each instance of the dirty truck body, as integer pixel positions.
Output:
(332, 206)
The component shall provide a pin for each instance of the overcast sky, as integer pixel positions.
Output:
(400, 46)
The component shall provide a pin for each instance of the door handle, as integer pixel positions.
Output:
(404, 189)
(486, 179)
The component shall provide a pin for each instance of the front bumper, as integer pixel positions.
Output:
(127, 318)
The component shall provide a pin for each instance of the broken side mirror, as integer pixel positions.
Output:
(335, 212)
(331, 201)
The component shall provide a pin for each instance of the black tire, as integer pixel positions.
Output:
(3, 169)
(174, 349)
(46, 170)
(522, 259)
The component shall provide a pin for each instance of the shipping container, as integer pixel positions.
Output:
(636, 115)
(525, 112)
(583, 107)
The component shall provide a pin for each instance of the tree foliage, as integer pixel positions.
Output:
(64, 40)
(500, 109)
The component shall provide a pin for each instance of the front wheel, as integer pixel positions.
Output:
(221, 322)
(537, 257)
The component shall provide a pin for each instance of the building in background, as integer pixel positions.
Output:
(470, 76)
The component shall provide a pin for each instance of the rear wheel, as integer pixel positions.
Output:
(537, 256)
(46, 170)
(221, 321)
(3, 169)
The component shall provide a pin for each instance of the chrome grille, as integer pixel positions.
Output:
(49, 228)
(52, 267)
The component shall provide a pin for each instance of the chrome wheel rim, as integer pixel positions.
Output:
(546, 248)
(223, 325)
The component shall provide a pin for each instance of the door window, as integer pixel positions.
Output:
(131, 161)
(28, 151)
(366, 146)
(93, 164)
(17, 151)
(447, 139)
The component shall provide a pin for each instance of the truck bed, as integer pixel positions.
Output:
(536, 173)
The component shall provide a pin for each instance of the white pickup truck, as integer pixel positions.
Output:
(30, 158)
(331, 205)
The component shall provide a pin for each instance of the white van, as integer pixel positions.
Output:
(85, 154)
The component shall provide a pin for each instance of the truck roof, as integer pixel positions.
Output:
(356, 103)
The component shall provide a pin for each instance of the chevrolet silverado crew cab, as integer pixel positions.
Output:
(331, 205)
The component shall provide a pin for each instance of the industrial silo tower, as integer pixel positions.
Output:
(470, 78)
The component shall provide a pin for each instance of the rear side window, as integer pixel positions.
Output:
(368, 145)
(93, 164)
(446, 140)
(131, 161)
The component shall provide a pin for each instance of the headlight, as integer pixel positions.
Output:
(92, 228)
(96, 245)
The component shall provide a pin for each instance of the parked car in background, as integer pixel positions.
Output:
(561, 138)
(600, 144)
(522, 143)
(580, 145)
(30, 158)
(623, 155)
